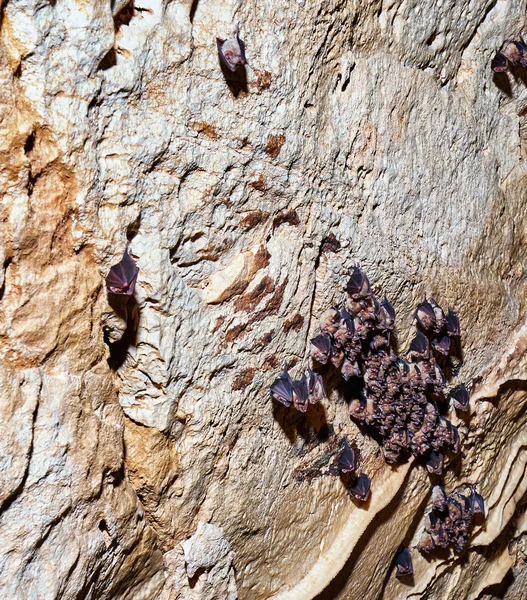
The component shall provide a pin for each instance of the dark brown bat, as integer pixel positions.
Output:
(282, 388)
(419, 345)
(360, 488)
(231, 52)
(346, 459)
(403, 563)
(452, 324)
(500, 63)
(460, 398)
(441, 344)
(122, 277)
(434, 464)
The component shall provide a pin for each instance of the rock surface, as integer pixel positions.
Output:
(369, 133)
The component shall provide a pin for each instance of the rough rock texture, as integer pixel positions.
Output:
(126, 424)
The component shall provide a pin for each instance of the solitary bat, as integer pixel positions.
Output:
(360, 488)
(460, 398)
(403, 563)
(231, 52)
(346, 460)
(122, 276)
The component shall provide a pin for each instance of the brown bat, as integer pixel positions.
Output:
(500, 63)
(122, 276)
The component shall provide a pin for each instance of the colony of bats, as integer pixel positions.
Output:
(399, 398)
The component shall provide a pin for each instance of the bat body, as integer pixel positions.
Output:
(231, 52)
(122, 277)
(403, 563)
(346, 460)
(282, 388)
(460, 398)
(360, 488)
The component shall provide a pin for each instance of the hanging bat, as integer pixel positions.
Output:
(403, 563)
(500, 63)
(434, 464)
(477, 502)
(452, 324)
(439, 500)
(460, 398)
(419, 345)
(300, 394)
(441, 344)
(346, 459)
(282, 388)
(122, 277)
(425, 315)
(321, 348)
(358, 285)
(231, 52)
(315, 386)
(360, 488)
(330, 320)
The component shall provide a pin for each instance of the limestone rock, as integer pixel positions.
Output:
(369, 133)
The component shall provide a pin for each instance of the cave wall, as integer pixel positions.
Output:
(138, 433)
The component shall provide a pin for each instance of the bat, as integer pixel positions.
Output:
(452, 324)
(358, 285)
(315, 387)
(349, 369)
(321, 348)
(346, 328)
(282, 388)
(360, 488)
(434, 464)
(460, 398)
(425, 315)
(419, 345)
(516, 52)
(442, 344)
(337, 356)
(122, 277)
(477, 502)
(439, 498)
(231, 52)
(403, 563)
(389, 314)
(330, 320)
(300, 394)
(346, 460)
(499, 63)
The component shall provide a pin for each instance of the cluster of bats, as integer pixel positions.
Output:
(513, 54)
(449, 520)
(401, 398)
